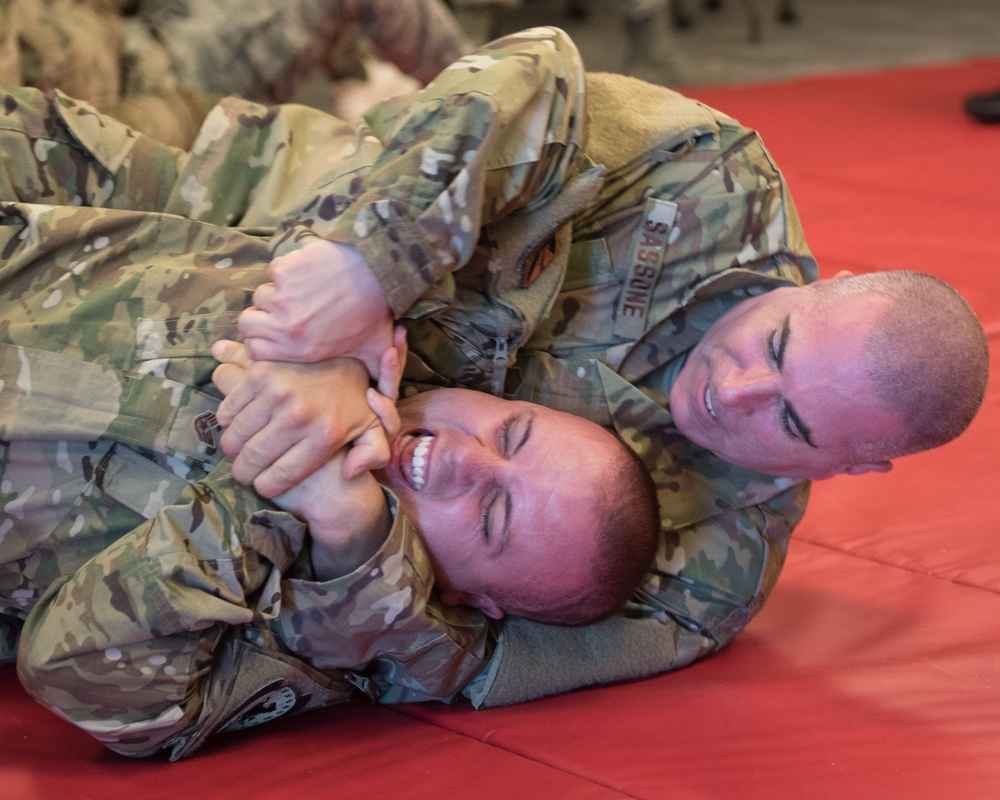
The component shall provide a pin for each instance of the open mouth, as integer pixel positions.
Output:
(708, 402)
(414, 457)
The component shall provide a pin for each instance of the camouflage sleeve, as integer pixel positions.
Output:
(693, 602)
(495, 133)
(137, 646)
(124, 647)
(388, 626)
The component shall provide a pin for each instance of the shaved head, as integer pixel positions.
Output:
(927, 357)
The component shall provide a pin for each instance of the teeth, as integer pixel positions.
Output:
(420, 460)
(708, 402)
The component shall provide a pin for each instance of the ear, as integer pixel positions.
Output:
(480, 602)
(844, 273)
(870, 466)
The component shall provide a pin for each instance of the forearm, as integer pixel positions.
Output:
(383, 618)
(339, 546)
(495, 134)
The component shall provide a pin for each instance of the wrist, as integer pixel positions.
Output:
(339, 547)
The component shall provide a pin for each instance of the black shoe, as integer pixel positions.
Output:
(984, 107)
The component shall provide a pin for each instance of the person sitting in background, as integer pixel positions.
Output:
(161, 66)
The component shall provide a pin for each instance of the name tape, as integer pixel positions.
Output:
(649, 245)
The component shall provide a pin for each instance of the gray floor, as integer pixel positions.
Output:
(830, 36)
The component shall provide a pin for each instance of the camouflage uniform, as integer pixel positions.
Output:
(160, 65)
(558, 256)
(160, 599)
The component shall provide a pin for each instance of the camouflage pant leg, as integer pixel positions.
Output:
(58, 151)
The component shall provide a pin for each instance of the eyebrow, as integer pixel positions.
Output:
(530, 417)
(779, 359)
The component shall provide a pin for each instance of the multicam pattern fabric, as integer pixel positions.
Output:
(141, 571)
(509, 212)
(160, 65)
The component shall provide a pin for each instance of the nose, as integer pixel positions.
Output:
(471, 462)
(746, 390)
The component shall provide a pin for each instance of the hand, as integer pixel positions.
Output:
(284, 421)
(323, 302)
(348, 519)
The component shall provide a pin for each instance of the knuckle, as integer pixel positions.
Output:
(327, 434)
(295, 414)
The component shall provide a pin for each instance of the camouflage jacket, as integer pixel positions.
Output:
(160, 599)
(566, 238)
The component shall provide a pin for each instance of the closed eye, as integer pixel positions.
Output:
(494, 522)
(777, 341)
(791, 422)
(515, 432)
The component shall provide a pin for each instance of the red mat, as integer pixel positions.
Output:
(874, 671)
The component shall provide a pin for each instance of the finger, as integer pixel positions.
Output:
(386, 411)
(399, 342)
(229, 352)
(252, 420)
(226, 378)
(290, 469)
(389, 373)
(263, 297)
(239, 390)
(369, 451)
(261, 336)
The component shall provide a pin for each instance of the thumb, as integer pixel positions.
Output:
(369, 451)
(385, 409)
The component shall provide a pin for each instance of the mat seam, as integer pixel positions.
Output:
(505, 749)
(902, 567)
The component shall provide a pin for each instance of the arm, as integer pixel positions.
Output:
(165, 636)
(348, 519)
(497, 133)
(708, 582)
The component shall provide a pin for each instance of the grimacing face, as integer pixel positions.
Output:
(501, 491)
(778, 384)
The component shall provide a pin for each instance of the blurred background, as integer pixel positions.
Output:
(160, 65)
(693, 42)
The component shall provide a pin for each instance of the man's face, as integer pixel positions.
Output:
(501, 491)
(778, 385)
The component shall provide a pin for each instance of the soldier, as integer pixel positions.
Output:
(200, 602)
(613, 249)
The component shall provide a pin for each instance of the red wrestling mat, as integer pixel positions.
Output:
(874, 671)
